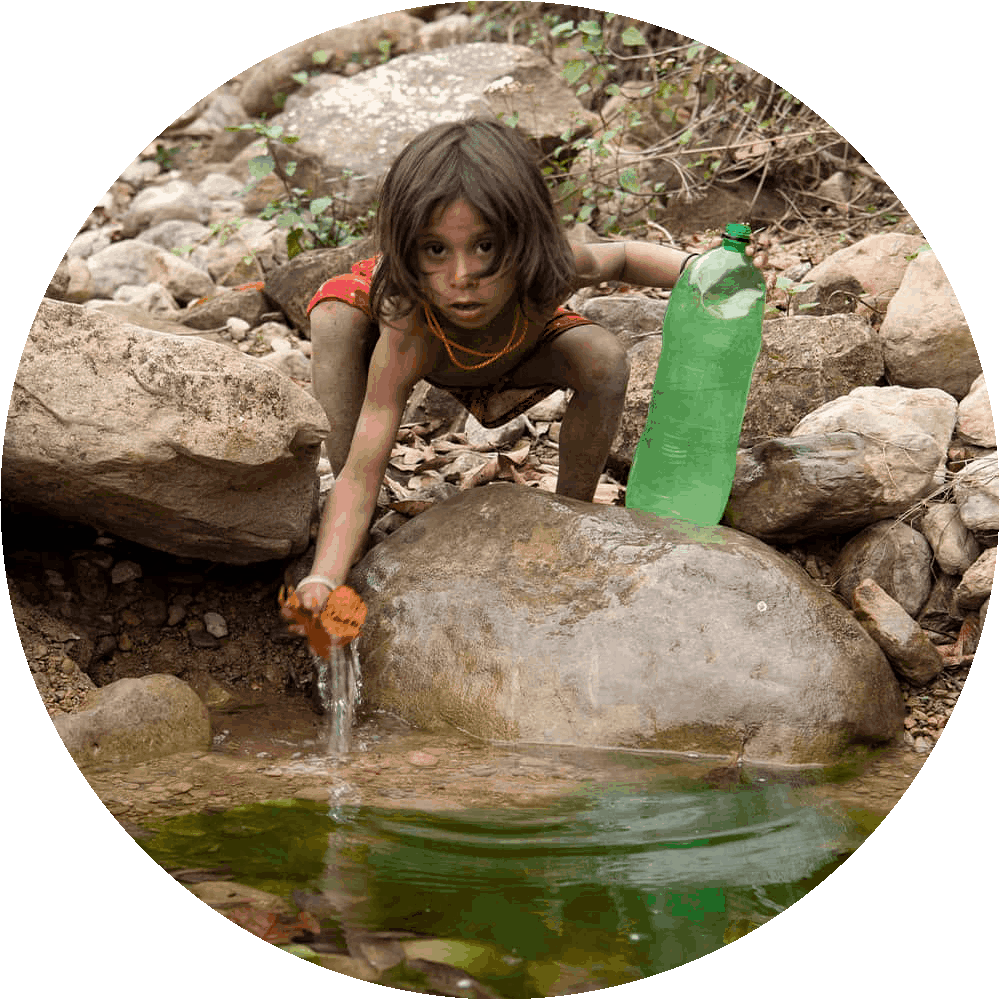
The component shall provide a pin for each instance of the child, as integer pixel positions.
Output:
(466, 294)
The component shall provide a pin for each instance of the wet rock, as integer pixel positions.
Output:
(894, 556)
(555, 621)
(902, 640)
(925, 336)
(955, 547)
(136, 719)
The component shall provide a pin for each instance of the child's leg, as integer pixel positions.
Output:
(592, 362)
(342, 342)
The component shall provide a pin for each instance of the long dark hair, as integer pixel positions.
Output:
(494, 169)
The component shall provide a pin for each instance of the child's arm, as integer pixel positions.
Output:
(397, 363)
(636, 263)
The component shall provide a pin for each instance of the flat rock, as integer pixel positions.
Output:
(977, 495)
(173, 442)
(548, 620)
(975, 418)
(136, 719)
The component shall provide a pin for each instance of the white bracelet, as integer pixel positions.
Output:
(326, 581)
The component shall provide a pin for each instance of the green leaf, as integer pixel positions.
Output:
(694, 50)
(301, 78)
(585, 213)
(632, 36)
(260, 166)
(591, 28)
(684, 138)
(288, 219)
(290, 167)
(612, 90)
(629, 180)
(783, 283)
(319, 205)
(584, 88)
(293, 244)
(564, 29)
(271, 131)
(916, 253)
(320, 56)
(573, 70)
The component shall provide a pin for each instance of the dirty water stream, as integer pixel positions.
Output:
(430, 862)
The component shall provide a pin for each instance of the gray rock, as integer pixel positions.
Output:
(804, 362)
(870, 271)
(894, 556)
(977, 495)
(955, 547)
(547, 620)
(910, 652)
(175, 199)
(152, 298)
(630, 317)
(925, 336)
(136, 719)
(250, 238)
(359, 124)
(134, 262)
(977, 581)
(176, 234)
(975, 418)
(215, 624)
(247, 304)
(855, 460)
(173, 442)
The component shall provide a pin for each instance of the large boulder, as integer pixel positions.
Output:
(356, 125)
(174, 442)
(514, 614)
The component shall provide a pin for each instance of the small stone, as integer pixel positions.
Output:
(420, 759)
(125, 643)
(201, 639)
(124, 571)
(237, 328)
(215, 624)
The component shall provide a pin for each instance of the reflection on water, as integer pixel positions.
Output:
(632, 884)
(601, 890)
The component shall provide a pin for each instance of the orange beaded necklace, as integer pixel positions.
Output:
(517, 336)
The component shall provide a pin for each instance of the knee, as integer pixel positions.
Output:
(603, 369)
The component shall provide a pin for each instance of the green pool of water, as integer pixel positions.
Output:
(596, 891)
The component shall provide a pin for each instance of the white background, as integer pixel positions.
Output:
(87, 87)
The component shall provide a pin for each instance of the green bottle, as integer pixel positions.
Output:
(686, 458)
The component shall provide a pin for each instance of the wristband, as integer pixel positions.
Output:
(684, 264)
(316, 578)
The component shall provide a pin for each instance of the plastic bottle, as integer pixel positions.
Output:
(686, 458)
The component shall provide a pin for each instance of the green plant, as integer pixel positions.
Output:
(309, 222)
(165, 156)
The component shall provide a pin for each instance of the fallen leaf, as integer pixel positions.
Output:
(411, 507)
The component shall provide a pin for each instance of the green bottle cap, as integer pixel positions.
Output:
(738, 231)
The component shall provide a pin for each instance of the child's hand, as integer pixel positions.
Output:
(756, 249)
(334, 619)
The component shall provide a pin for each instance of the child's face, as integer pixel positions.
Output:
(453, 249)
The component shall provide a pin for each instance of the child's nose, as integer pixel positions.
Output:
(465, 270)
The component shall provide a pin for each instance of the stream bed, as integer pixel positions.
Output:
(430, 862)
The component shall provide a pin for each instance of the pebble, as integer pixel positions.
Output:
(175, 614)
(125, 643)
(418, 758)
(124, 571)
(201, 639)
(215, 624)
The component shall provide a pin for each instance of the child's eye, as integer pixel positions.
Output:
(433, 249)
(486, 246)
